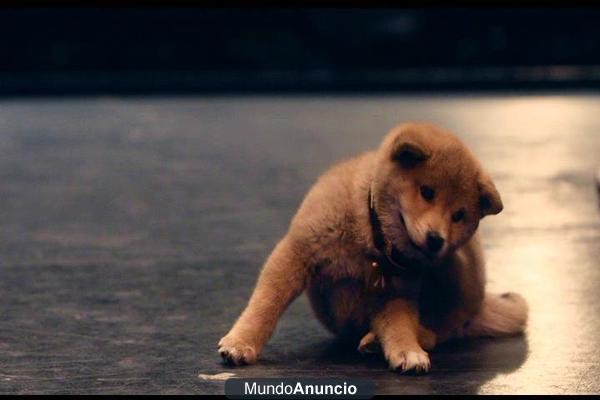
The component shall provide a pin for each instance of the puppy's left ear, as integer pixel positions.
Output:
(490, 202)
(408, 154)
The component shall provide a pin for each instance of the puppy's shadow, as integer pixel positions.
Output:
(458, 367)
(337, 351)
(468, 364)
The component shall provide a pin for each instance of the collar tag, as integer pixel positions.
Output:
(376, 280)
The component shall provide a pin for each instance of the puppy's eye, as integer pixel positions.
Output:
(427, 193)
(458, 216)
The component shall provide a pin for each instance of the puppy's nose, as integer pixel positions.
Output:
(434, 241)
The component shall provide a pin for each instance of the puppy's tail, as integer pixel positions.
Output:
(500, 315)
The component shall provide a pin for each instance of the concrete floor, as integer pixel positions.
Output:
(132, 231)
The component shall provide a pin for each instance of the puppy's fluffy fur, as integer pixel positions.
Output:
(422, 179)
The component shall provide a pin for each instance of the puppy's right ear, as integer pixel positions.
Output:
(490, 202)
(408, 154)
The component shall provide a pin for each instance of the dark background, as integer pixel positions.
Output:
(90, 50)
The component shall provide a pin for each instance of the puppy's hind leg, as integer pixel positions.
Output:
(499, 315)
(369, 343)
(281, 280)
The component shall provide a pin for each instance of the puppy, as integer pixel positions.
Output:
(385, 244)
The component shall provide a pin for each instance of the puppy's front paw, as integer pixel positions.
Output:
(236, 352)
(410, 361)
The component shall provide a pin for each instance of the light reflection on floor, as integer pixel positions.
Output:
(546, 245)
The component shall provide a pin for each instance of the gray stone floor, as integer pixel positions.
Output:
(132, 230)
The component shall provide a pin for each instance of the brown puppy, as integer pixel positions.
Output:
(386, 246)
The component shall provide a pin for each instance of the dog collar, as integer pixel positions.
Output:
(389, 261)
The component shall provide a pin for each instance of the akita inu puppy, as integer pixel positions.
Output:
(386, 246)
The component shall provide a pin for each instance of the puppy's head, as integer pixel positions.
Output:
(429, 191)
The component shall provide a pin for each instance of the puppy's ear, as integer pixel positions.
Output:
(408, 154)
(490, 202)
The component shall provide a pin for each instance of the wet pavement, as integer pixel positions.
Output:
(132, 231)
